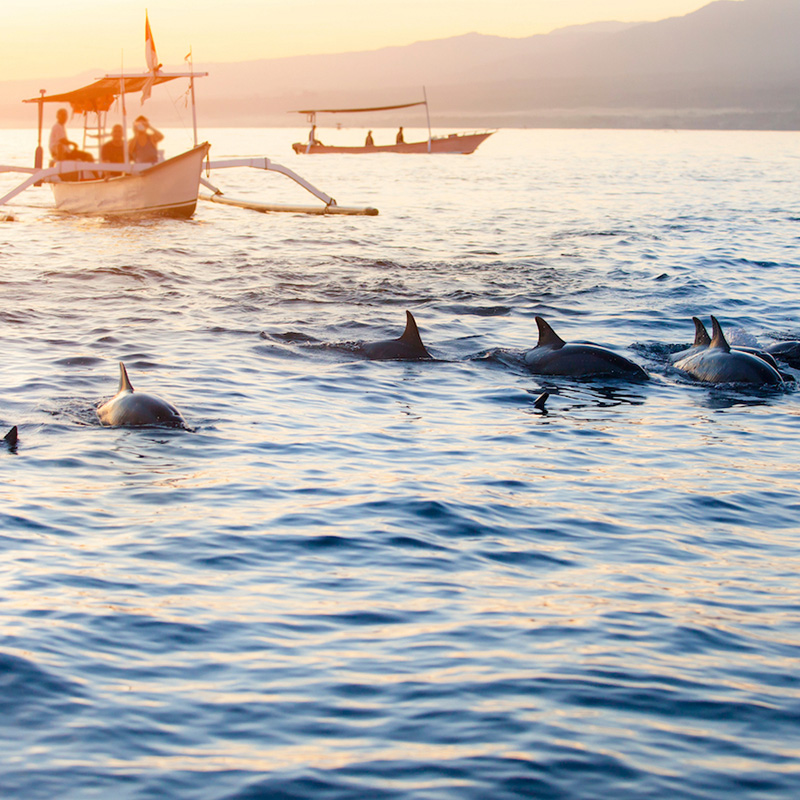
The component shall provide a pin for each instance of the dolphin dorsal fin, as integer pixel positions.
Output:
(718, 340)
(411, 335)
(547, 336)
(124, 382)
(701, 337)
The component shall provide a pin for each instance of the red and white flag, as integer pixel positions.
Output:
(150, 47)
(150, 57)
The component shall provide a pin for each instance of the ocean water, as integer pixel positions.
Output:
(361, 579)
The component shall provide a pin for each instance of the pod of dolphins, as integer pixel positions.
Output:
(710, 359)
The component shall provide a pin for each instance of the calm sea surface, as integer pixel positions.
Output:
(358, 579)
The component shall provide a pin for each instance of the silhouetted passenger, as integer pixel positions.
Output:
(61, 148)
(114, 149)
(142, 147)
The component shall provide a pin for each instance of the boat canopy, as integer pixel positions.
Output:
(359, 110)
(101, 95)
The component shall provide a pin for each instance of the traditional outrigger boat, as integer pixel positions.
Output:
(459, 143)
(167, 188)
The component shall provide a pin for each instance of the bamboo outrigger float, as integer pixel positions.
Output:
(459, 143)
(166, 188)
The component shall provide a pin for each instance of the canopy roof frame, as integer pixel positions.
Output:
(359, 110)
(101, 95)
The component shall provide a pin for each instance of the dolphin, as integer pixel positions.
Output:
(786, 351)
(11, 438)
(720, 363)
(702, 340)
(409, 346)
(553, 356)
(137, 408)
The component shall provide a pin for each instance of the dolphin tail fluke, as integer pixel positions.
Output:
(411, 335)
(701, 337)
(11, 437)
(718, 337)
(124, 381)
(541, 400)
(547, 336)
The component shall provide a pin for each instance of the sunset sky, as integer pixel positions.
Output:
(53, 38)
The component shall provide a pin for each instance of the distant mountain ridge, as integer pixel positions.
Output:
(730, 64)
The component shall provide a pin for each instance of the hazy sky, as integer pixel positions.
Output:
(52, 38)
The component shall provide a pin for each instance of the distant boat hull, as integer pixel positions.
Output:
(168, 189)
(458, 143)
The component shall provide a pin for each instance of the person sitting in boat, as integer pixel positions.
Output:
(58, 135)
(369, 141)
(61, 148)
(142, 147)
(114, 149)
(400, 138)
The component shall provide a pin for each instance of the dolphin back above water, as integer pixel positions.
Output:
(11, 438)
(409, 346)
(786, 351)
(720, 363)
(553, 356)
(128, 408)
(701, 341)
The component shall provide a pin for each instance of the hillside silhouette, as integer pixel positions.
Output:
(731, 64)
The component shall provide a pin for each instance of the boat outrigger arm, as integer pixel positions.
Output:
(330, 207)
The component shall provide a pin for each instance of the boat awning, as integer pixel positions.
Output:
(100, 95)
(358, 110)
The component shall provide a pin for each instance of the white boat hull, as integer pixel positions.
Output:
(169, 189)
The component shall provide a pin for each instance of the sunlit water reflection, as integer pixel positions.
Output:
(357, 579)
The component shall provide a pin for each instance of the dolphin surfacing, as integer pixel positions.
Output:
(11, 438)
(786, 351)
(553, 356)
(702, 340)
(720, 363)
(409, 346)
(130, 408)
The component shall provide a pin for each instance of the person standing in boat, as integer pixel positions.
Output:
(400, 139)
(142, 147)
(312, 136)
(369, 141)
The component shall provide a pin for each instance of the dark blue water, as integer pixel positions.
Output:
(359, 579)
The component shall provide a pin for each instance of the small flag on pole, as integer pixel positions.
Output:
(150, 57)
(150, 47)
